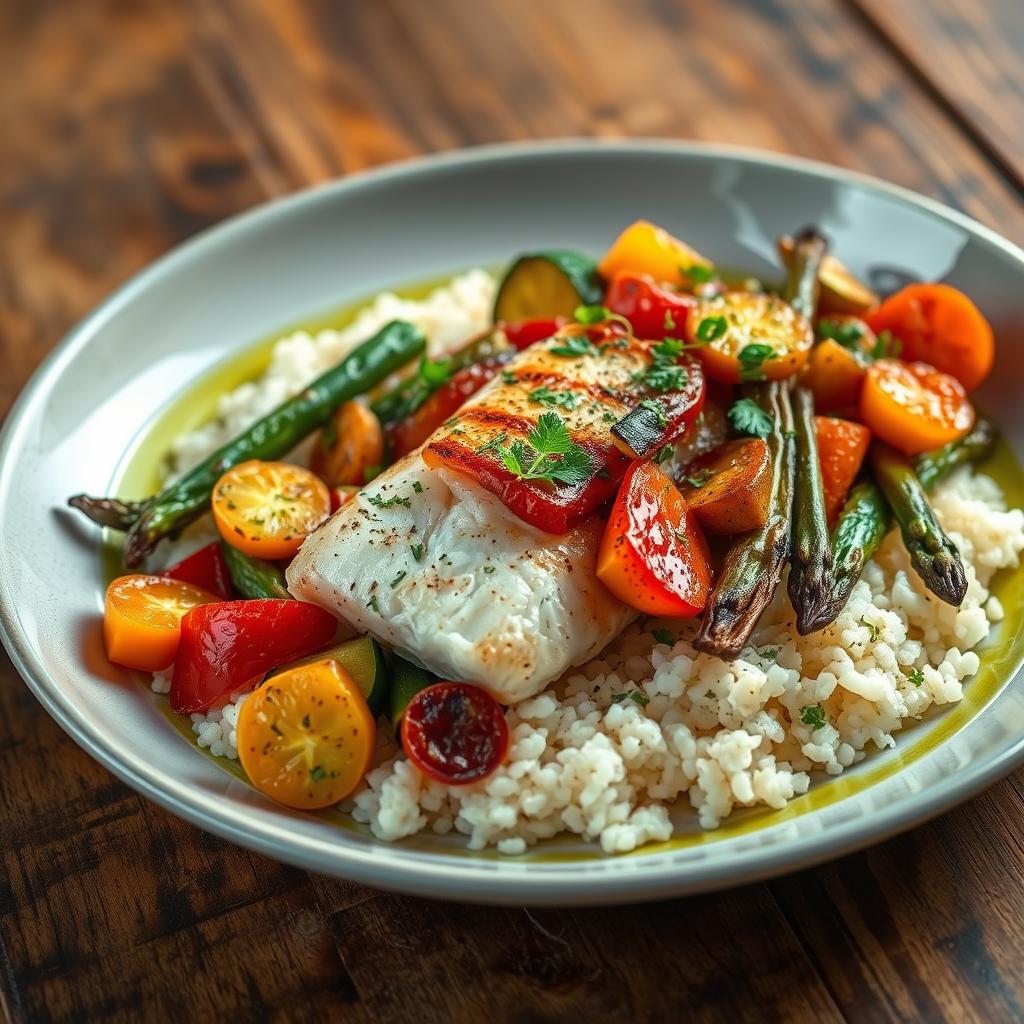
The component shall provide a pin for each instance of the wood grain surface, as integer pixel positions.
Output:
(129, 126)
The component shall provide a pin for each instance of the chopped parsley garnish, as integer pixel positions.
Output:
(711, 328)
(751, 357)
(814, 716)
(435, 372)
(664, 374)
(698, 273)
(669, 323)
(770, 652)
(636, 696)
(748, 418)
(655, 407)
(916, 677)
(549, 453)
(372, 604)
(887, 346)
(847, 333)
(575, 347)
(565, 399)
(872, 629)
(395, 499)
(591, 314)
(417, 551)
(508, 377)
(417, 486)
(494, 445)
(398, 579)
(489, 569)
(664, 454)
(663, 636)
(700, 478)
(317, 774)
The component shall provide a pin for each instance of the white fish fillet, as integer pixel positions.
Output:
(490, 600)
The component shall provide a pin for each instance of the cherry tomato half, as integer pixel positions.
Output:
(455, 733)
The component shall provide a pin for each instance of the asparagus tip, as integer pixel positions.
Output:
(110, 512)
(944, 576)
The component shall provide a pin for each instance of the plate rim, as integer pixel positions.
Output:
(637, 877)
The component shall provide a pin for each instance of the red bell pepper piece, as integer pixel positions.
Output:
(654, 311)
(233, 644)
(410, 433)
(205, 568)
(524, 333)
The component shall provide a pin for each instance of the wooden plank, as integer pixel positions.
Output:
(130, 126)
(968, 54)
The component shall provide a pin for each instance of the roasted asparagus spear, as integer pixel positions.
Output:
(753, 565)
(975, 445)
(932, 553)
(272, 437)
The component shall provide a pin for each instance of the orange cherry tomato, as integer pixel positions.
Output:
(142, 619)
(267, 509)
(939, 325)
(746, 336)
(351, 443)
(306, 736)
(653, 555)
(913, 406)
(842, 445)
(644, 248)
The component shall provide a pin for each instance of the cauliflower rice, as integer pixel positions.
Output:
(608, 749)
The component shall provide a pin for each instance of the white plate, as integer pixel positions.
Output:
(104, 385)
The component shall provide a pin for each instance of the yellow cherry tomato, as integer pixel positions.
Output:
(267, 509)
(306, 736)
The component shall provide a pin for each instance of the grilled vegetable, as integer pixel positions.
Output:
(841, 291)
(654, 311)
(837, 364)
(729, 488)
(860, 528)
(913, 407)
(306, 736)
(653, 556)
(939, 325)
(363, 660)
(644, 248)
(407, 680)
(842, 445)
(270, 438)
(267, 509)
(547, 284)
(746, 336)
(401, 401)
(810, 569)
(753, 565)
(350, 443)
(455, 733)
(206, 568)
(932, 553)
(142, 619)
(252, 577)
(227, 646)
(974, 446)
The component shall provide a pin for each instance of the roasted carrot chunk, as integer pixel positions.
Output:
(842, 445)
(728, 489)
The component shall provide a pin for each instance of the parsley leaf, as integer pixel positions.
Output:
(872, 629)
(669, 323)
(916, 677)
(565, 399)
(663, 636)
(655, 407)
(667, 350)
(700, 478)
(664, 454)
(814, 716)
(417, 486)
(711, 328)
(417, 551)
(591, 314)
(698, 273)
(748, 418)
(549, 453)
(636, 696)
(508, 377)
(489, 569)
(847, 333)
(434, 373)
(575, 347)
(751, 357)
(664, 374)
(398, 579)
(395, 499)
(494, 445)
(887, 346)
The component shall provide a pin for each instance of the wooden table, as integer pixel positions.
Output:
(128, 126)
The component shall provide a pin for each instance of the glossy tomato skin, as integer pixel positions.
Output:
(655, 312)
(524, 333)
(455, 733)
(653, 555)
(234, 643)
(205, 568)
(408, 434)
